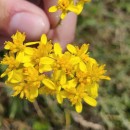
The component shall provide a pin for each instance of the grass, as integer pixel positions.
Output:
(106, 26)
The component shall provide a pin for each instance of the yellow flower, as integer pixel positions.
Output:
(63, 61)
(11, 63)
(24, 83)
(17, 43)
(15, 76)
(32, 75)
(46, 62)
(26, 90)
(41, 67)
(93, 74)
(82, 54)
(64, 6)
(18, 48)
(92, 90)
(77, 95)
(53, 87)
(96, 72)
(44, 48)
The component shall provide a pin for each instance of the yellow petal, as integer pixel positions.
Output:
(26, 59)
(72, 83)
(22, 94)
(15, 93)
(74, 9)
(53, 9)
(80, 6)
(45, 64)
(29, 50)
(44, 68)
(84, 48)
(105, 77)
(48, 83)
(33, 93)
(31, 43)
(28, 64)
(15, 76)
(20, 56)
(75, 60)
(43, 39)
(63, 79)
(92, 61)
(59, 98)
(63, 15)
(8, 45)
(57, 74)
(3, 74)
(94, 90)
(10, 74)
(72, 49)
(91, 101)
(46, 61)
(78, 107)
(82, 66)
(57, 49)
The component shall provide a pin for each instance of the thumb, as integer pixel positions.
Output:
(23, 16)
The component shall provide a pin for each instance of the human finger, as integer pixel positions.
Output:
(64, 32)
(23, 16)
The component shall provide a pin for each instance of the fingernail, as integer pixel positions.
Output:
(33, 25)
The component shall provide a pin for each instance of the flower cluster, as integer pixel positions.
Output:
(66, 6)
(41, 67)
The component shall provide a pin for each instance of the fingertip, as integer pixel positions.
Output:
(25, 17)
(33, 25)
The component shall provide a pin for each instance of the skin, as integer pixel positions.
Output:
(33, 18)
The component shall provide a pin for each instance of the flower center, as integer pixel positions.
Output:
(63, 4)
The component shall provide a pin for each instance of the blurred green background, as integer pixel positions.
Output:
(105, 25)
